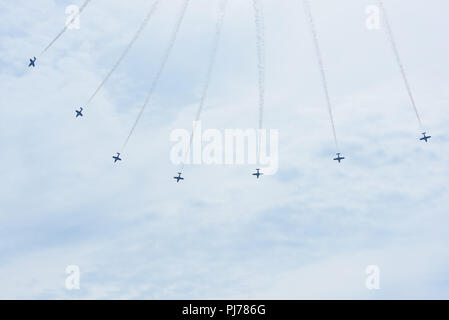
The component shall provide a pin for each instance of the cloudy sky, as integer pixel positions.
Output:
(308, 231)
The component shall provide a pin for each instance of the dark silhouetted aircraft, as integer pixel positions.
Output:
(178, 177)
(425, 138)
(79, 113)
(117, 158)
(339, 158)
(258, 174)
(32, 62)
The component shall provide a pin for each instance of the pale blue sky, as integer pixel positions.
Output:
(307, 232)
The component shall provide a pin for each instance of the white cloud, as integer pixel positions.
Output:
(307, 232)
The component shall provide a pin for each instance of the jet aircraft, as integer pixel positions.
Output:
(339, 158)
(425, 138)
(79, 113)
(258, 174)
(117, 158)
(178, 177)
(32, 62)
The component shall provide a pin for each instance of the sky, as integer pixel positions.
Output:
(307, 232)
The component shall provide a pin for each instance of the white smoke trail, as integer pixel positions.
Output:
(161, 69)
(309, 15)
(213, 55)
(260, 38)
(125, 52)
(399, 62)
(66, 26)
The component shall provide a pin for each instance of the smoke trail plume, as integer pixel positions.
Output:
(161, 69)
(66, 26)
(213, 55)
(260, 39)
(125, 52)
(399, 62)
(309, 16)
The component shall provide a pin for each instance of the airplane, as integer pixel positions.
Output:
(178, 177)
(117, 158)
(258, 174)
(425, 138)
(32, 62)
(339, 158)
(79, 113)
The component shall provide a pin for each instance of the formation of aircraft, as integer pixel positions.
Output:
(32, 62)
(178, 177)
(339, 158)
(258, 174)
(117, 158)
(79, 113)
(425, 138)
